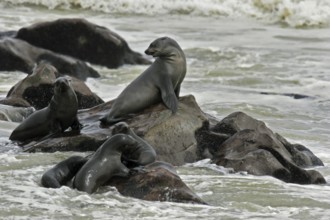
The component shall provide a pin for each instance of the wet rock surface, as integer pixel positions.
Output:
(158, 182)
(252, 147)
(37, 89)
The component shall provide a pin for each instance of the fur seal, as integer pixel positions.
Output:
(60, 114)
(140, 154)
(160, 82)
(104, 164)
(63, 172)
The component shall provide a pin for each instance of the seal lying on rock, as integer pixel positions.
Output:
(140, 154)
(161, 81)
(104, 164)
(60, 114)
(63, 172)
(81, 39)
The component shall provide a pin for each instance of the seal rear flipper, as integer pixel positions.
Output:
(106, 121)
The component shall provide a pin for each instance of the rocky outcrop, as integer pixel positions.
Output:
(252, 147)
(36, 90)
(172, 136)
(83, 40)
(18, 55)
(157, 182)
(238, 141)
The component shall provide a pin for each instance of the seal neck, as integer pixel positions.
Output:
(172, 55)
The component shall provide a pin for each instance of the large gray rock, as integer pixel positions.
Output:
(37, 89)
(83, 40)
(18, 55)
(172, 136)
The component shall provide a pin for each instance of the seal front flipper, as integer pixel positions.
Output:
(171, 102)
(177, 91)
(168, 96)
(76, 126)
(122, 171)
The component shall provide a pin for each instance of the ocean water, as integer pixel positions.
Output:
(236, 50)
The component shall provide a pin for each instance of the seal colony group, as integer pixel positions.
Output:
(160, 82)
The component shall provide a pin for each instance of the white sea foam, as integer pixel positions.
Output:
(295, 13)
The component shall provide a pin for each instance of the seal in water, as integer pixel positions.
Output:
(161, 81)
(104, 164)
(139, 155)
(60, 114)
(63, 172)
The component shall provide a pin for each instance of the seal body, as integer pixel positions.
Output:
(160, 82)
(104, 164)
(63, 172)
(140, 154)
(60, 114)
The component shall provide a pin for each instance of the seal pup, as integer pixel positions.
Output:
(104, 164)
(140, 154)
(160, 82)
(62, 172)
(60, 114)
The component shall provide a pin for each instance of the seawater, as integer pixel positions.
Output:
(236, 50)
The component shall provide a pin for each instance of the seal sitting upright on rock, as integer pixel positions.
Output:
(60, 114)
(161, 81)
(141, 153)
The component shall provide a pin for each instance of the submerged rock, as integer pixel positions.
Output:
(18, 55)
(14, 114)
(158, 182)
(37, 89)
(83, 40)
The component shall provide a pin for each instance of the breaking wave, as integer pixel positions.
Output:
(294, 13)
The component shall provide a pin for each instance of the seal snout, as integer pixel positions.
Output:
(61, 84)
(152, 50)
(149, 51)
